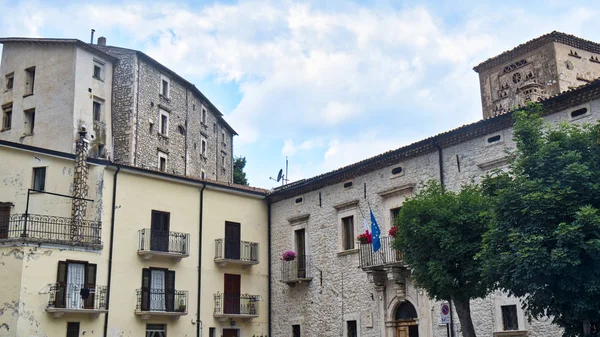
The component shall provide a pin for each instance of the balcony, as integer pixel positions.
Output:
(161, 302)
(162, 243)
(386, 257)
(296, 271)
(235, 306)
(76, 299)
(50, 229)
(244, 253)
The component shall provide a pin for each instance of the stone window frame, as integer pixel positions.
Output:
(499, 302)
(352, 317)
(9, 81)
(344, 211)
(203, 146)
(578, 107)
(493, 143)
(100, 65)
(7, 114)
(101, 102)
(203, 114)
(164, 79)
(165, 156)
(163, 112)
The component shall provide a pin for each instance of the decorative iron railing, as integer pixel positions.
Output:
(386, 255)
(236, 304)
(163, 241)
(246, 251)
(49, 228)
(161, 300)
(77, 296)
(296, 270)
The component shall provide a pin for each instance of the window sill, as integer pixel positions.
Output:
(348, 252)
(98, 78)
(204, 125)
(166, 98)
(5, 130)
(27, 95)
(510, 333)
(162, 135)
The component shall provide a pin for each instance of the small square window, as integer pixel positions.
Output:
(348, 232)
(162, 161)
(351, 329)
(163, 126)
(296, 331)
(39, 178)
(10, 81)
(29, 121)
(510, 320)
(6, 117)
(156, 330)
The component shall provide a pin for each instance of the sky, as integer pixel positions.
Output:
(323, 83)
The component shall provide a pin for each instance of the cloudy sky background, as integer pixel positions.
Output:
(326, 83)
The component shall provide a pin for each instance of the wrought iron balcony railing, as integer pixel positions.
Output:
(166, 302)
(243, 253)
(76, 298)
(387, 256)
(152, 242)
(235, 305)
(47, 228)
(297, 270)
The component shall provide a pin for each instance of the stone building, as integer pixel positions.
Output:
(338, 287)
(138, 111)
(540, 68)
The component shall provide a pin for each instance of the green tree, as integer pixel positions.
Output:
(239, 176)
(440, 233)
(544, 245)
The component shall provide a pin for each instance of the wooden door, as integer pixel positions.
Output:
(230, 332)
(170, 290)
(232, 292)
(301, 252)
(4, 220)
(232, 240)
(90, 286)
(159, 231)
(402, 331)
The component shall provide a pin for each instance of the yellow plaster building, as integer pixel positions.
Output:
(92, 248)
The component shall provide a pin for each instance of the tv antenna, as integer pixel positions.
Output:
(280, 176)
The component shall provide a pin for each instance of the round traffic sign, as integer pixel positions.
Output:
(445, 309)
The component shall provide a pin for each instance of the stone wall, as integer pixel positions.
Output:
(340, 290)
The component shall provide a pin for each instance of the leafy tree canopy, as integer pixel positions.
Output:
(440, 233)
(239, 176)
(545, 242)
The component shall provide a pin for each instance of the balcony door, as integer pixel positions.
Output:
(232, 240)
(75, 285)
(300, 237)
(159, 232)
(232, 292)
(158, 290)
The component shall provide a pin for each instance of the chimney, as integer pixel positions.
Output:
(102, 41)
(92, 36)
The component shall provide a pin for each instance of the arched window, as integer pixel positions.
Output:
(406, 312)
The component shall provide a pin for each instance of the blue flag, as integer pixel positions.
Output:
(376, 233)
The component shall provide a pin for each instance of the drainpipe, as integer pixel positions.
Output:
(137, 110)
(270, 267)
(441, 161)
(110, 249)
(198, 321)
(185, 159)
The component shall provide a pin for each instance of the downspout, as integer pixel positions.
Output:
(110, 249)
(270, 268)
(198, 321)
(441, 161)
(185, 159)
(137, 110)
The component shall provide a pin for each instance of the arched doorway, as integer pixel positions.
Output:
(406, 320)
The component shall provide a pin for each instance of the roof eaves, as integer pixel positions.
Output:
(76, 42)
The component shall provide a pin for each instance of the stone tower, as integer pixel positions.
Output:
(540, 68)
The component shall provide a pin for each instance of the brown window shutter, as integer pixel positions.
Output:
(90, 284)
(170, 290)
(61, 286)
(145, 300)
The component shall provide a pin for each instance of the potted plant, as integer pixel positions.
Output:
(288, 255)
(365, 237)
(393, 231)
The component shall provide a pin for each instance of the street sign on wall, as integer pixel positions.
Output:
(445, 313)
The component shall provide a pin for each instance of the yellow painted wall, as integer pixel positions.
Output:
(252, 214)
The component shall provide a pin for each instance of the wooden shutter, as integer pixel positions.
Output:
(232, 240)
(90, 284)
(145, 293)
(170, 290)
(4, 219)
(61, 286)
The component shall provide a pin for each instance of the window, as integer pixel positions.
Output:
(510, 320)
(29, 80)
(156, 330)
(29, 121)
(39, 178)
(223, 160)
(203, 174)
(203, 115)
(165, 84)
(73, 329)
(296, 332)
(223, 134)
(4, 219)
(348, 233)
(162, 161)
(351, 329)
(203, 144)
(212, 332)
(75, 285)
(10, 81)
(163, 125)
(98, 70)
(394, 214)
(7, 117)
(158, 292)
(97, 109)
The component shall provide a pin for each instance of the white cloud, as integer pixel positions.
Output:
(289, 149)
